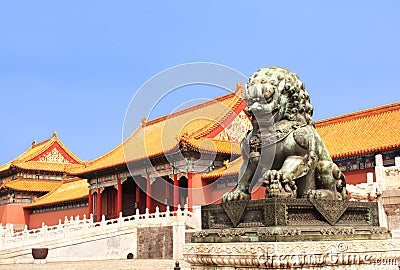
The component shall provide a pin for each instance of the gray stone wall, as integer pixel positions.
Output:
(155, 243)
(188, 237)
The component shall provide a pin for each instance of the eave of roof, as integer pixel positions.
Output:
(31, 185)
(68, 190)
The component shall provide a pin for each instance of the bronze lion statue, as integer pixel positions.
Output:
(283, 148)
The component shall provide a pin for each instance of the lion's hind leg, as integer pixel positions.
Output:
(325, 182)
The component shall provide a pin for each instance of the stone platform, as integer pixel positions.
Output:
(357, 254)
(280, 233)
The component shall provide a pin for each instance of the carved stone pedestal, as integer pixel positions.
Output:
(288, 220)
(283, 232)
(357, 254)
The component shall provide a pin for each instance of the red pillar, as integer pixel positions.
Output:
(137, 195)
(119, 197)
(98, 210)
(148, 193)
(167, 191)
(90, 206)
(176, 192)
(190, 197)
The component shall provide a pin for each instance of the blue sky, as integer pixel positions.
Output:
(73, 66)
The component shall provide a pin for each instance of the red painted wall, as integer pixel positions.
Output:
(198, 193)
(358, 176)
(52, 218)
(12, 213)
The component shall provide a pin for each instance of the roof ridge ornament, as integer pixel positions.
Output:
(239, 90)
(144, 121)
(54, 133)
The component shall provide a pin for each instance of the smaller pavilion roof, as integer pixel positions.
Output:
(68, 190)
(31, 185)
(49, 155)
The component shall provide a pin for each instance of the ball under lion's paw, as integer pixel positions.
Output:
(236, 195)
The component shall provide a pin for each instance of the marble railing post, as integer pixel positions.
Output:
(379, 172)
(397, 161)
(179, 229)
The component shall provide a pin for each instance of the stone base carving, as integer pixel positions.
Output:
(288, 232)
(290, 212)
(382, 254)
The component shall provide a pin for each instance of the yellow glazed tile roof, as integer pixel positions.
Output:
(28, 159)
(32, 185)
(165, 134)
(231, 168)
(367, 131)
(68, 190)
(211, 145)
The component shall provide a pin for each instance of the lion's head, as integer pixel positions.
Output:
(278, 93)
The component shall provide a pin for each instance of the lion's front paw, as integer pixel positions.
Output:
(279, 184)
(235, 195)
(320, 194)
(271, 176)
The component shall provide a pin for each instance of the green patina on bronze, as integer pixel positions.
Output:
(284, 142)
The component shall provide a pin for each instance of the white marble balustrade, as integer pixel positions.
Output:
(75, 226)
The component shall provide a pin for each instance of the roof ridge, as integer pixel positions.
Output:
(359, 114)
(189, 109)
(33, 146)
(221, 118)
(89, 163)
(106, 154)
(65, 148)
(35, 179)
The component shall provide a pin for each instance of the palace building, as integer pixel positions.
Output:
(44, 167)
(161, 163)
(188, 157)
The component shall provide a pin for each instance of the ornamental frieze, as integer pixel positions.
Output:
(237, 129)
(54, 156)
